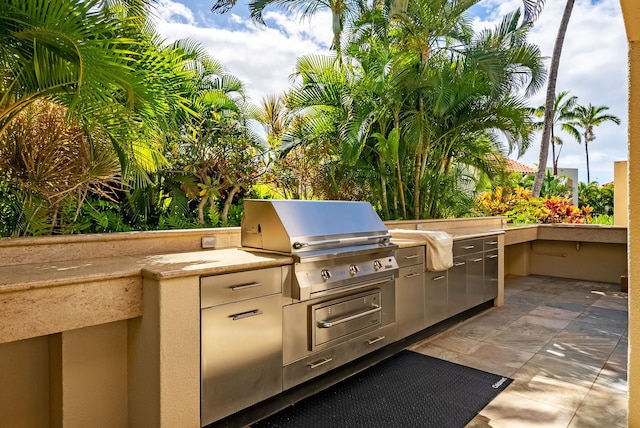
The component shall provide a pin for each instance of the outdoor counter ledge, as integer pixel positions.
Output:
(566, 232)
(46, 298)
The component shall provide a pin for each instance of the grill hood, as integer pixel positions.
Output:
(312, 228)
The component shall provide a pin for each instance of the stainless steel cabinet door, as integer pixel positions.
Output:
(457, 286)
(475, 279)
(409, 300)
(490, 275)
(241, 355)
(435, 297)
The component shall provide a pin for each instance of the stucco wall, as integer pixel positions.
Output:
(24, 386)
(631, 15)
(634, 223)
(620, 202)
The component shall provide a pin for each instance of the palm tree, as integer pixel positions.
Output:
(588, 118)
(66, 52)
(562, 115)
(101, 61)
(550, 96)
(464, 84)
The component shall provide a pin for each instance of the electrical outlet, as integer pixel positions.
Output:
(209, 242)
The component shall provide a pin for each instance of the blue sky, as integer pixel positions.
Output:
(593, 65)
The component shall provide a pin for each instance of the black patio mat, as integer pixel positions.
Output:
(405, 390)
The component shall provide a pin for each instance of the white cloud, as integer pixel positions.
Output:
(170, 11)
(263, 57)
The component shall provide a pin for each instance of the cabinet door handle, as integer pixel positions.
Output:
(375, 339)
(469, 247)
(415, 256)
(437, 278)
(492, 243)
(412, 275)
(459, 264)
(242, 315)
(245, 286)
(319, 363)
(476, 260)
(493, 256)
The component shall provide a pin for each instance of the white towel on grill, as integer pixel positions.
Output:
(439, 246)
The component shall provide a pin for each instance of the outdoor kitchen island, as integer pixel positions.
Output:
(142, 314)
(279, 348)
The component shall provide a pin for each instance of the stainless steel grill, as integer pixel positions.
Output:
(335, 244)
(343, 282)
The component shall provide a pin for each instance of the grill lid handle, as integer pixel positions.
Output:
(300, 244)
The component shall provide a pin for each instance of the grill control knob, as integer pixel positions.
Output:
(377, 265)
(354, 269)
(325, 273)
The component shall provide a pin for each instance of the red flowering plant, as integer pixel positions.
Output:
(521, 208)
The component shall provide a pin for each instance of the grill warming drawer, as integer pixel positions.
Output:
(338, 318)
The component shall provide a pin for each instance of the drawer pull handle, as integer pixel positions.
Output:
(247, 314)
(476, 260)
(245, 286)
(376, 339)
(438, 278)
(412, 275)
(459, 264)
(469, 247)
(329, 324)
(492, 243)
(319, 363)
(493, 256)
(415, 256)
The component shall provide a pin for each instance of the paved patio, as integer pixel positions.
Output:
(564, 342)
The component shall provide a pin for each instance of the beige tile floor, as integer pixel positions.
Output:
(564, 342)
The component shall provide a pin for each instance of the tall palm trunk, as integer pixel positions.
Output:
(586, 149)
(551, 93)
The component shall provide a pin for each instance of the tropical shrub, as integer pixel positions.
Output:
(598, 197)
(521, 208)
(48, 161)
(552, 185)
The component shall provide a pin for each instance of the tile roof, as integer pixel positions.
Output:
(515, 166)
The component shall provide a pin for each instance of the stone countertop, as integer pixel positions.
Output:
(164, 266)
(209, 263)
(42, 275)
(206, 262)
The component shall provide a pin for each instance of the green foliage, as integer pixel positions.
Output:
(104, 216)
(8, 212)
(234, 218)
(176, 220)
(552, 185)
(600, 198)
(22, 213)
(603, 219)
